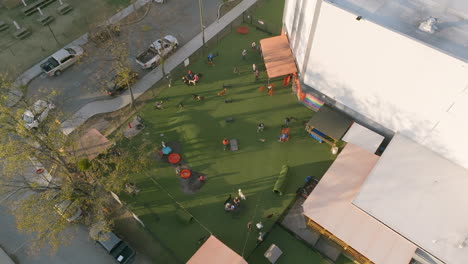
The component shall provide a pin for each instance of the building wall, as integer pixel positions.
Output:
(394, 80)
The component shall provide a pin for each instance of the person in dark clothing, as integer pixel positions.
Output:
(260, 127)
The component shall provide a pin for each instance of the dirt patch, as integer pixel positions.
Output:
(192, 184)
(189, 185)
(176, 148)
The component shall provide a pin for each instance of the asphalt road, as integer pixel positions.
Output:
(85, 81)
(81, 249)
(16, 244)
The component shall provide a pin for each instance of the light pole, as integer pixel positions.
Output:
(200, 7)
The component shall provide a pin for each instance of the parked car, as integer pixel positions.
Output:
(116, 247)
(61, 60)
(118, 84)
(70, 210)
(151, 57)
(38, 112)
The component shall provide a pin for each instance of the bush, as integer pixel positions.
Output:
(84, 164)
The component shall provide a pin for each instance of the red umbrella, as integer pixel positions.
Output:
(173, 158)
(185, 173)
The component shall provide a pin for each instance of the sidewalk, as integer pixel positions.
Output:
(106, 106)
(34, 71)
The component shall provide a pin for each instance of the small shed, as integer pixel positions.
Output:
(213, 251)
(328, 125)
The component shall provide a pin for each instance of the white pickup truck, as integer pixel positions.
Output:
(151, 57)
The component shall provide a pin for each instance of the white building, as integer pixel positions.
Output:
(399, 66)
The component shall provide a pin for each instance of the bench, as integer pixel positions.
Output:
(45, 20)
(64, 9)
(32, 8)
(3, 26)
(233, 145)
(22, 33)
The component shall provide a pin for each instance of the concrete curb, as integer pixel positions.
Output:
(106, 106)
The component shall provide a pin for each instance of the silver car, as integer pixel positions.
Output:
(61, 60)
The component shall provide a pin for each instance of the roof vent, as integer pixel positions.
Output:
(428, 25)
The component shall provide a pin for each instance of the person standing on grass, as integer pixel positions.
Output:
(254, 45)
(256, 75)
(244, 53)
(254, 67)
(210, 59)
(270, 89)
(225, 144)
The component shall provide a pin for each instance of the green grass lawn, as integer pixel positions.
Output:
(294, 251)
(200, 128)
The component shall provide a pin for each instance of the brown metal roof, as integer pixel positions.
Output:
(214, 251)
(330, 205)
(279, 60)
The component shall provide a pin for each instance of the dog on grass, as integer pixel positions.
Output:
(223, 92)
(187, 81)
(198, 97)
(241, 195)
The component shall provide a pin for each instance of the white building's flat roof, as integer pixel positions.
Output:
(330, 206)
(422, 196)
(405, 16)
(363, 137)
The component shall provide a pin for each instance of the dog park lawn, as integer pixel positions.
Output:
(198, 129)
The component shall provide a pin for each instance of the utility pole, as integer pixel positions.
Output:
(200, 7)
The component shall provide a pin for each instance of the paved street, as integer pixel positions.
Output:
(85, 81)
(80, 250)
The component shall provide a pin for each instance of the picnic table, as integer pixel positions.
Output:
(32, 7)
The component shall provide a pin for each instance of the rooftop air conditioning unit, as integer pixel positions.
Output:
(428, 25)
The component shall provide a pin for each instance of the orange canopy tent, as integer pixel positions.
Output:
(214, 251)
(279, 60)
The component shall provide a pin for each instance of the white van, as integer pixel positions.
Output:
(61, 60)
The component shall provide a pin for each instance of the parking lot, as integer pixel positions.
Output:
(85, 81)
